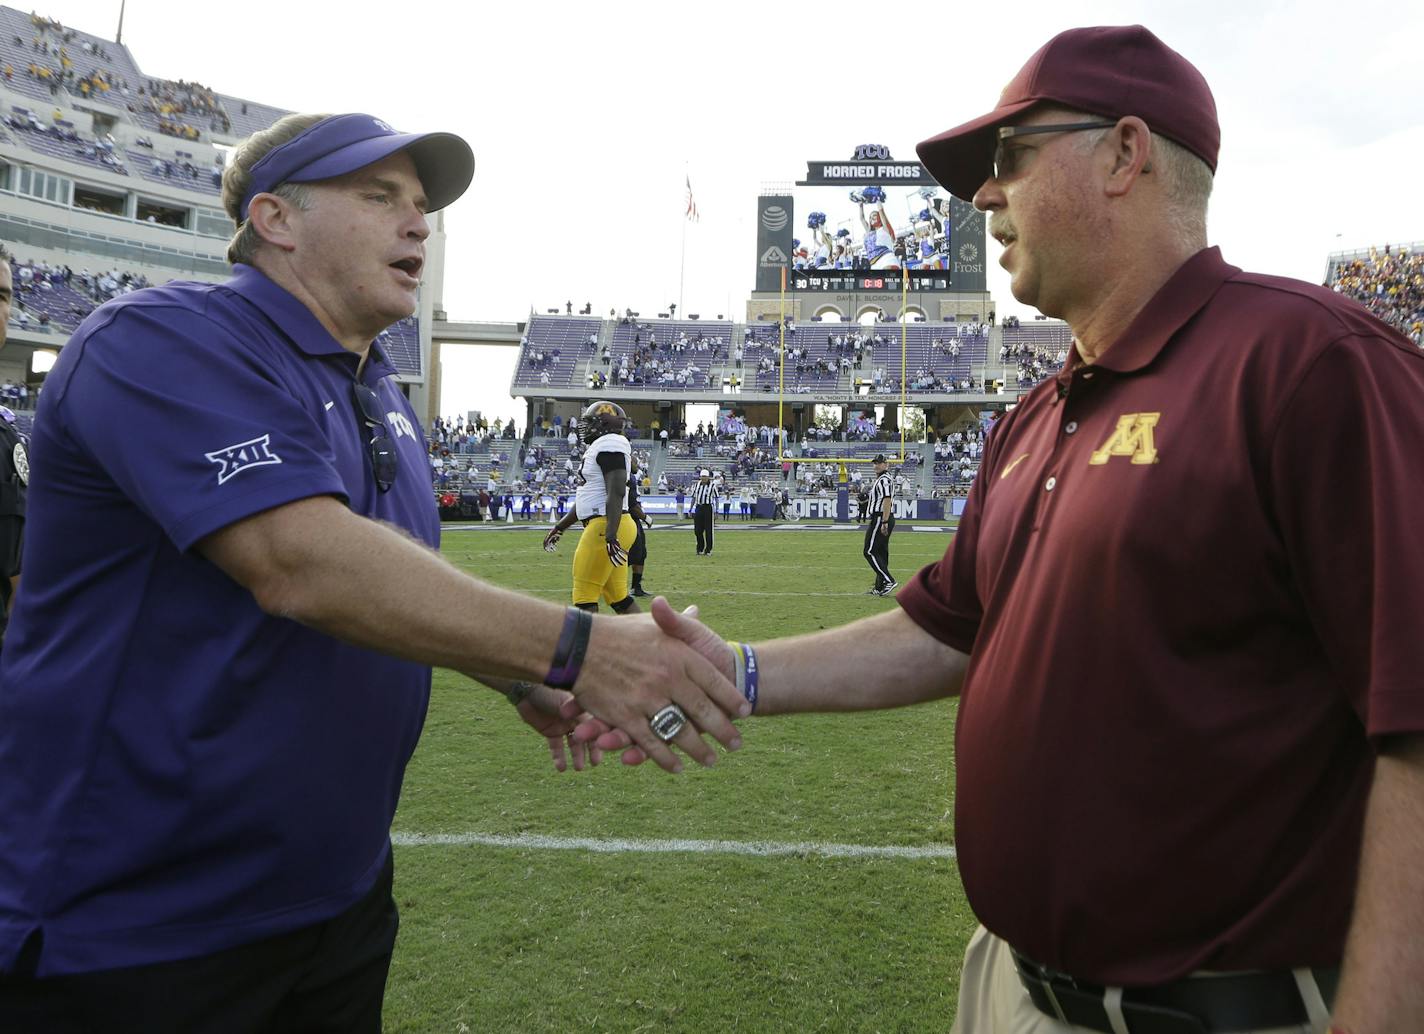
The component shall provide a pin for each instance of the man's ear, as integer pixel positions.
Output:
(1131, 143)
(271, 217)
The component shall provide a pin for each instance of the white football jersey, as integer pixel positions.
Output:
(592, 493)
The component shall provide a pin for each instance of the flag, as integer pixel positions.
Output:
(691, 204)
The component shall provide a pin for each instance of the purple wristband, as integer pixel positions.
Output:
(573, 644)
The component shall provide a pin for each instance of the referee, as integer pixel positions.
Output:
(638, 554)
(880, 510)
(704, 498)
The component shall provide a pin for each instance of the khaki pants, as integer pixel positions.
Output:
(992, 999)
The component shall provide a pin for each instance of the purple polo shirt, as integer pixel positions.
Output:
(1189, 578)
(182, 772)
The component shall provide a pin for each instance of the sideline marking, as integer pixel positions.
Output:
(605, 845)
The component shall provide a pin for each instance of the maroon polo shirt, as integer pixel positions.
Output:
(1189, 577)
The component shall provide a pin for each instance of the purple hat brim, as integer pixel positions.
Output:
(444, 162)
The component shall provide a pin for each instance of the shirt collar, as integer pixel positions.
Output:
(1184, 294)
(296, 321)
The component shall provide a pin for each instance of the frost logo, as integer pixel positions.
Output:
(775, 218)
(968, 253)
(234, 459)
(773, 256)
(385, 126)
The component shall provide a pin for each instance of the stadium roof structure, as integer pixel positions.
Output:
(73, 56)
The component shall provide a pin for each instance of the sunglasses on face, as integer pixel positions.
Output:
(1006, 158)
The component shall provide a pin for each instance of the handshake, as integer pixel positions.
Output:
(641, 684)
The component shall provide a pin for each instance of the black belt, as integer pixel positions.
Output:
(1195, 1005)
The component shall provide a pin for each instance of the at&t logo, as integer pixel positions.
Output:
(775, 218)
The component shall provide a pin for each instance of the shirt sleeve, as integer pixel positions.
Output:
(610, 462)
(943, 597)
(1346, 491)
(191, 424)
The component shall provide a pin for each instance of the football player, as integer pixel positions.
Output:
(600, 501)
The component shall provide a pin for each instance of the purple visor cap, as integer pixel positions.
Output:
(344, 143)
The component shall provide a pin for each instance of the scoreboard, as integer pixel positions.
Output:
(868, 224)
(854, 281)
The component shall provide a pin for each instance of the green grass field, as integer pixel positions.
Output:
(497, 938)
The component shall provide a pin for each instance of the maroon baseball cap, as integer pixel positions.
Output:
(1111, 70)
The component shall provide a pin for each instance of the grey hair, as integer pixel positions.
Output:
(237, 180)
(1186, 182)
(1186, 185)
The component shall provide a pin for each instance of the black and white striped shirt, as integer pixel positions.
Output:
(880, 490)
(704, 494)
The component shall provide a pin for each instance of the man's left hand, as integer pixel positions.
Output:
(541, 711)
(617, 555)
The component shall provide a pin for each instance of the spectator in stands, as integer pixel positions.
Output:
(1390, 284)
(1187, 793)
(213, 732)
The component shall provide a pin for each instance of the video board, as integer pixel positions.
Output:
(869, 223)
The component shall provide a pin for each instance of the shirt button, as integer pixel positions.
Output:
(1070, 427)
(1048, 485)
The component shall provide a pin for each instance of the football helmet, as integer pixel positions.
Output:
(602, 418)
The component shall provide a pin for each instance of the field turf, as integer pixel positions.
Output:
(536, 938)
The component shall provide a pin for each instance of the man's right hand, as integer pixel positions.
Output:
(551, 540)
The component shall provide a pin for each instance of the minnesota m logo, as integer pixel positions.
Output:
(1132, 437)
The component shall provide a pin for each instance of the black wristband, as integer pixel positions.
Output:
(519, 692)
(573, 644)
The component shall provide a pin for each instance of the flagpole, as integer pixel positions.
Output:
(119, 36)
(687, 217)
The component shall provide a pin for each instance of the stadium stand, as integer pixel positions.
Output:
(1388, 281)
(106, 168)
(1038, 349)
(561, 352)
(554, 352)
(672, 355)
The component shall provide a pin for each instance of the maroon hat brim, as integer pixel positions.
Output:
(962, 158)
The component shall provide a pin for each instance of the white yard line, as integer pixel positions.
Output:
(617, 845)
